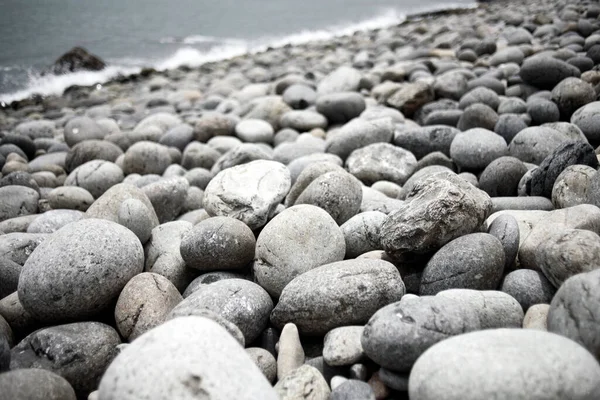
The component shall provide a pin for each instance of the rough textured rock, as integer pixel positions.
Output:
(144, 303)
(342, 346)
(78, 352)
(410, 97)
(568, 252)
(500, 363)
(381, 161)
(96, 176)
(77, 59)
(305, 382)
(297, 240)
(528, 287)
(248, 192)
(343, 293)
(473, 261)
(442, 207)
(571, 186)
(218, 243)
(570, 153)
(175, 348)
(167, 196)
(60, 280)
(53, 220)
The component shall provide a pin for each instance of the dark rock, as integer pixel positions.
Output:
(502, 176)
(77, 59)
(474, 261)
(571, 94)
(545, 72)
(570, 153)
(506, 229)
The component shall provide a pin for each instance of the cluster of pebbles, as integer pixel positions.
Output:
(411, 212)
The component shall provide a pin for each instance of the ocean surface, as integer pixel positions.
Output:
(166, 34)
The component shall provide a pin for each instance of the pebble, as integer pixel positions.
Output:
(305, 382)
(95, 176)
(500, 362)
(297, 240)
(16, 201)
(381, 161)
(218, 243)
(239, 301)
(264, 361)
(476, 148)
(291, 354)
(248, 192)
(338, 294)
(571, 186)
(53, 220)
(353, 390)
(474, 261)
(528, 287)
(144, 303)
(362, 233)
(359, 133)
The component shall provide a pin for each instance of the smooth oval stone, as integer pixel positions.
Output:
(71, 198)
(303, 120)
(174, 348)
(167, 196)
(337, 192)
(135, 216)
(574, 309)
(254, 130)
(442, 207)
(146, 158)
(534, 144)
(343, 79)
(239, 301)
(381, 161)
(502, 176)
(567, 252)
(144, 303)
(79, 129)
(338, 294)
(297, 240)
(571, 94)
(340, 108)
(474, 261)
(290, 354)
(35, 384)
(504, 362)
(476, 148)
(353, 390)
(218, 243)
(427, 139)
(506, 229)
(305, 379)
(396, 335)
(91, 150)
(248, 192)
(78, 352)
(79, 270)
(96, 176)
(362, 233)
(545, 72)
(359, 133)
(529, 287)
(586, 118)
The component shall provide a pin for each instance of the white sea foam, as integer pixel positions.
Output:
(189, 56)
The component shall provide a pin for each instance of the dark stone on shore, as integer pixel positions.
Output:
(77, 59)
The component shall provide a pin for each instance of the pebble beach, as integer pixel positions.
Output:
(410, 212)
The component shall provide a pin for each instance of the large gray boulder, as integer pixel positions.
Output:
(79, 270)
(192, 357)
(519, 364)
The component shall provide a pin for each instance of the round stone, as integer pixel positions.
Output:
(297, 240)
(96, 176)
(35, 384)
(529, 287)
(381, 161)
(504, 362)
(476, 148)
(255, 131)
(79, 270)
(218, 243)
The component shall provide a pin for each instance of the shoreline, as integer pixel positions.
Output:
(146, 71)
